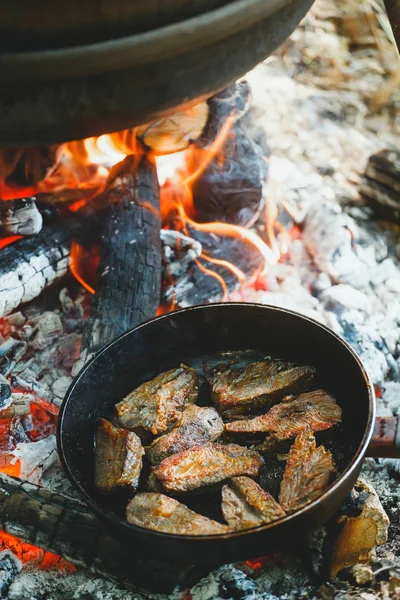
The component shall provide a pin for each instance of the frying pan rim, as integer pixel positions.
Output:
(357, 457)
(141, 48)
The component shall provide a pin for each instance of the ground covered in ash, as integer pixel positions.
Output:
(326, 100)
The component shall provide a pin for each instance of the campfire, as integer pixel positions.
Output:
(228, 200)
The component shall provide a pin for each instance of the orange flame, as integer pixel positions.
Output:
(76, 262)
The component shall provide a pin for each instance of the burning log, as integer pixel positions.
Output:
(65, 526)
(208, 279)
(233, 101)
(233, 186)
(25, 167)
(128, 288)
(380, 186)
(29, 265)
(20, 217)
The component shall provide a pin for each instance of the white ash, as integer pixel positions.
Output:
(10, 566)
(48, 327)
(36, 457)
(40, 585)
(179, 251)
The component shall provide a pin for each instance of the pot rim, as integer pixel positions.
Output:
(332, 489)
(139, 49)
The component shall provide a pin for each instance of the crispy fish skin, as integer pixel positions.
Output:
(158, 404)
(158, 512)
(196, 426)
(306, 474)
(118, 457)
(245, 504)
(206, 465)
(316, 410)
(259, 384)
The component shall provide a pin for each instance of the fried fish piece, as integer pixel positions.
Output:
(306, 474)
(204, 466)
(118, 457)
(158, 512)
(238, 391)
(158, 404)
(196, 426)
(245, 504)
(316, 410)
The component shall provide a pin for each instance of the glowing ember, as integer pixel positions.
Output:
(258, 563)
(9, 240)
(27, 553)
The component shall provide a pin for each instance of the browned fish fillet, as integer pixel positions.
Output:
(118, 457)
(158, 404)
(205, 465)
(245, 504)
(316, 410)
(260, 384)
(158, 512)
(306, 474)
(196, 426)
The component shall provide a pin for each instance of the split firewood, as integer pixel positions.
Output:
(380, 185)
(66, 526)
(174, 133)
(20, 217)
(354, 537)
(129, 282)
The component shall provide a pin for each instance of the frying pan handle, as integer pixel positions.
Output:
(385, 441)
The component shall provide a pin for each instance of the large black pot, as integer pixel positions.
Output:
(56, 95)
(209, 332)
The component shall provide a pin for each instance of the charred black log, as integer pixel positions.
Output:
(20, 217)
(380, 186)
(233, 186)
(128, 286)
(204, 281)
(66, 527)
(233, 101)
(31, 264)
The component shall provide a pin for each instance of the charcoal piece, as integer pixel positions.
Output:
(5, 393)
(380, 185)
(233, 186)
(129, 273)
(11, 351)
(10, 566)
(67, 527)
(158, 512)
(20, 217)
